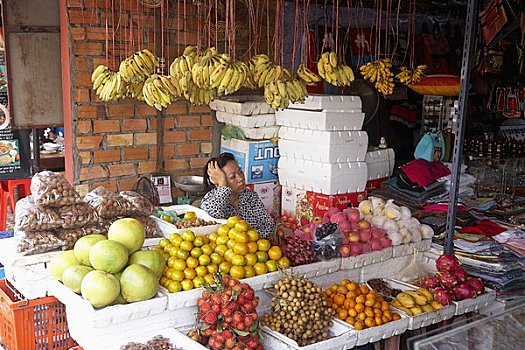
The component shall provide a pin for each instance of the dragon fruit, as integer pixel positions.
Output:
(428, 282)
(443, 296)
(447, 262)
(464, 291)
(460, 274)
(447, 279)
(476, 284)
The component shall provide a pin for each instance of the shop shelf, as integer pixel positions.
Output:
(342, 338)
(27, 324)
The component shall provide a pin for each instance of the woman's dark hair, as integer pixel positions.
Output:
(221, 160)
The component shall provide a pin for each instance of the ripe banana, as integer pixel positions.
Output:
(411, 76)
(112, 87)
(306, 75)
(332, 71)
(276, 94)
(159, 92)
(138, 67)
(380, 73)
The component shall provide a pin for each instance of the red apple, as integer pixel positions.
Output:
(366, 248)
(375, 244)
(344, 251)
(352, 214)
(365, 235)
(353, 237)
(363, 224)
(356, 249)
(378, 232)
(386, 242)
(345, 239)
(344, 226)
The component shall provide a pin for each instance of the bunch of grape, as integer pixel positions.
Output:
(326, 229)
(299, 251)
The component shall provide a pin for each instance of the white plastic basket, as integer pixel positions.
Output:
(81, 309)
(177, 338)
(387, 330)
(342, 338)
(167, 228)
(316, 269)
(474, 304)
(408, 249)
(353, 262)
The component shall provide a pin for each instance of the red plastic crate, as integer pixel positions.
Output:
(35, 324)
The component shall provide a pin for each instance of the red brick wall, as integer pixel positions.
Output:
(115, 143)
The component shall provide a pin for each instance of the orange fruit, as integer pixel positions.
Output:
(175, 239)
(342, 290)
(249, 271)
(351, 294)
(241, 237)
(378, 320)
(232, 220)
(198, 281)
(213, 236)
(253, 235)
(201, 271)
(237, 272)
(228, 254)
(179, 264)
(204, 260)
(369, 312)
(352, 312)
(231, 244)
(396, 316)
(196, 252)
(225, 267)
(188, 236)
(189, 273)
(163, 242)
(252, 247)
(359, 325)
(242, 225)
(250, 259)
(186, 245)
(345, 282)
(216, 258)
(222, 240)
(284, 262)
(263, 245)
(360, 299)
(260, 268)
(223, 230)
(212, 268)
(271, 265)
(233, 233)
(349, 303)
(182, 254)
(187, 284)
(370, 322)
(261, 256)
(352, 286)
(178, 275)
(192, 262)
(208, 279)
(220, 249)
(342, 313)
(350, 320)
(364, 289)
(207, 249)
(199, 241)
(275, 253)
(238, 260)
(370, 301)
(339, 299)
(359, 308)
(241, 248)
(361, 316)
(384, 306)
(174, 286)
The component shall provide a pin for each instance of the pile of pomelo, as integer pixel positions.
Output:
(111, 270)
(235, 249)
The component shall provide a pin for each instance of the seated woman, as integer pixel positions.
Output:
(227, 195)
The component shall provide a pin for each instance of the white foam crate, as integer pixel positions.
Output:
(246, 121)
(342, 338)
(245, 105)
(380, 162)
(110, 315)
(408, 249)
(323, 146)
(329, 103)
(474, 304)
(321, 120)
(387, 330)
(317, 269)
(354, 262)
(168, 228)
(326, 178)
(262, 133)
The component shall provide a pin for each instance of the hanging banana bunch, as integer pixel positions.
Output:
(181, 65)
(199, 96)
(296, 89)
(333, 72)
(306, 75)
(411, 76)
(380, 73)
(160, 91)
(108, 85)
(276, 94)
(134, 90)
(203, 68)
(228, 77)
(138, 67)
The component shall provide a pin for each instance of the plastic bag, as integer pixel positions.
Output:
(29, 243)
(107, 204)
(140, 205)
(71, 236)
(150, 227)
(52, 189)
(413, 270)
(77, 215)
(326, 241)
(32, 218)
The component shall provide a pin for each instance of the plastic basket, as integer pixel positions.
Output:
(32, 324)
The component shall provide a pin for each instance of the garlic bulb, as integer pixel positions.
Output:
(369, 217)
(389, 225)
(377, 202)
(405, 213)
(392, 212)
(414, 223)
(378, 221)
(426, 231)
(378, 211)
(395, 236)
(365, 207)
(407, 236)
(416, 234)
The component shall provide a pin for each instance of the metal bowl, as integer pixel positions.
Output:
(194, 184)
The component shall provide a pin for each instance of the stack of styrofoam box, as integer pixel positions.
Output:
(258, 155)
(380, 163)
(322, 157)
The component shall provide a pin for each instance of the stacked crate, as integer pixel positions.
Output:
(258, 154)
(322, 161)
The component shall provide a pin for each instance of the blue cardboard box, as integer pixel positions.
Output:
(258, 159)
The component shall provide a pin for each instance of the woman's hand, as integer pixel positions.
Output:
(217, 176)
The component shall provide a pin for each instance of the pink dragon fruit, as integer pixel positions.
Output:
(447, 279)
(477, 284)
(460, 274)
(447, 262)
(464, 291)
(443, 296)
(429, 282)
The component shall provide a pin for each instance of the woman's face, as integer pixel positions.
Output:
(235, 176)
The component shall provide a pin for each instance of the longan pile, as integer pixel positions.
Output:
(358, 305)
(299, 311)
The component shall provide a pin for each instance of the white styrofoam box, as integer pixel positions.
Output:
(353, 262)
(326, 280)
(167, 228)
(384, 331)
(323, 146)
(321, 120)
(326, 178)
(246, 121)
(245, 105)
(474, 304)
(408, 249)
(329, 103)
(110, 315)
(342, 338)
(380, 162)
(264, 132)
(316, 269)
(258, 159)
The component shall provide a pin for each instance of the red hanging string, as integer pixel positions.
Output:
(106, 13)
(337, 27)
(162, 26)
(295, 25)
(282, 31)
(113, 32)
(185, 29)
(216, 24)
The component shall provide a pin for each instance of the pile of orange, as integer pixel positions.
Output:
(359, 305)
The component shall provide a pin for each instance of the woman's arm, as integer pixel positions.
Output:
(216, 202)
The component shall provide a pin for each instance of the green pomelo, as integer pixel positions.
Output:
(109, 256)
(138, 283)
(149, 258)
(60, 262)
(119, 301)
(129, 232)
(73, 276)
(100, 288)
(84, 245)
